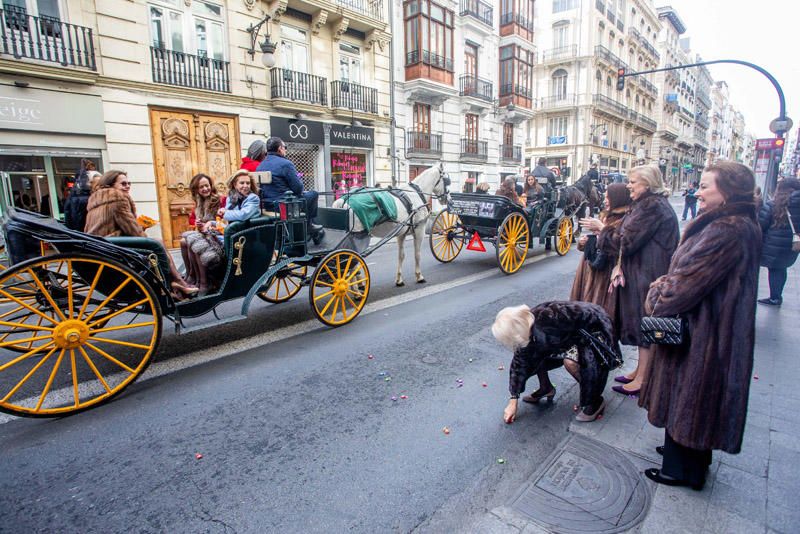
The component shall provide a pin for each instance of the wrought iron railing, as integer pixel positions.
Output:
(511, 153)
(372, 8)
(423, 143)
(429, 58)
(293, 85)
(45, 39)
(509, 89)
(188, 70)
(478, 9)
(561, 53)
(648, 86)
(648, 123)
(353, 96)
(473, 149)
(604, 102)
(508, 18)
(557, 101)
(609, 57)
(475, 87)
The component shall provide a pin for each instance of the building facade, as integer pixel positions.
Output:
(165, 89)
(464, 84)
(582, 118)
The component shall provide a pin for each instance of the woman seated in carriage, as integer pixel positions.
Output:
(532, 191)
(111, 212)
(508, 189)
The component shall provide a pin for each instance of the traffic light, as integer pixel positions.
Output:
(777, 151)
(620, 79)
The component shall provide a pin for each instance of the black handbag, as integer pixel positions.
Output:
(664, 330)
(610, 355)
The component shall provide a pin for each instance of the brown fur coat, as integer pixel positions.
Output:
(699, 391)
(112, 213)
(649, 237)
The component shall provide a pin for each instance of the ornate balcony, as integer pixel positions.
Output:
(475, 87)
(423, 145)
(45, 39)
(478, 10)
(557, 102)
(188, 70)
(474, 150)
(615, 109)
(511, 154)
(564, 53)
(296, 86)
(354, 97)
(604, 54)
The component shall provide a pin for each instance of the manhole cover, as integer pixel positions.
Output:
(586, 487)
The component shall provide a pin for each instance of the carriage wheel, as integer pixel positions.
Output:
(447, 237)
(88, 328)
(339, 287)
(513, 238)
(285, 284)
(564, 235)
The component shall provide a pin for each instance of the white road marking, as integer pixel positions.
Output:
(157, 369)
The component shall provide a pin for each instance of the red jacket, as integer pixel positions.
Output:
(249, 164)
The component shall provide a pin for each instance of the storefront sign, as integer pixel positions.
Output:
(349, 171)
(297, 131)
(37, 110)
(352, 136)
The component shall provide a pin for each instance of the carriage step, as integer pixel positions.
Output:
(203, 326)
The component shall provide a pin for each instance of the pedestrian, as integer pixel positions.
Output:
(541, 335)
(649, 236)
(76, 205)
(690, 200)
(601, 248)
(698, 391)
(507, 189)
(285, 179)
(778, 231)
(256, 153)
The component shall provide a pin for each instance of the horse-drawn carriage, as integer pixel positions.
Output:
(511, 228)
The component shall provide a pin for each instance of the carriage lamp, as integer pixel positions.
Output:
(267, 46)
(290, 209)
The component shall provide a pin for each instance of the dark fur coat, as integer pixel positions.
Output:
(699, 391)
(650, 235)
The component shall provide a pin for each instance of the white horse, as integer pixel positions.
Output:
(431, 183)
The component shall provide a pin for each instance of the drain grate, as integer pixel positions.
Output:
(586, 487)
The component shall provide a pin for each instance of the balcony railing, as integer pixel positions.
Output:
(429, 58)
(609, 57)
(649, 87)
(473, 149)
(509, 18)
(477, 9)
(647, 46)
(511, 153)
(187, 70)
(423, 144)
(294, 85)
(556, 54)
(511, 89)
(606, 103)
(353, 96)
(371, 8)
(703, 97)
(648, 123)
(475, 87)
(45, 39)
(557, 101)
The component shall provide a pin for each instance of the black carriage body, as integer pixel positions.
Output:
(484, 214)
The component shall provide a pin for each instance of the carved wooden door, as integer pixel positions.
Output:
(184, 144)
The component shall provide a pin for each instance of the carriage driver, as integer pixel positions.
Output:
(285, 179)
(541, 171)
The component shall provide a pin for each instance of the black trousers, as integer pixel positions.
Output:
(683, 463)
(777, 279)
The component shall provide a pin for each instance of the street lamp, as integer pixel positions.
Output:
(594, 127)
(267, 46)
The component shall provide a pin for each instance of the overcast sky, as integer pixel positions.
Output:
(759, 32)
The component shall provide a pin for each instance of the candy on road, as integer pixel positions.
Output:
(446, 430)
(198, 455)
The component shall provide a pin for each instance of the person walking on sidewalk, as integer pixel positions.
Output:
(690, 201)
(698, 391)
(777, 255)
(649, 237)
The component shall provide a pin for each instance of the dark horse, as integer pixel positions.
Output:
(583, 194)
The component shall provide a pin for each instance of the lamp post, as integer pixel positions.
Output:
(267, 46)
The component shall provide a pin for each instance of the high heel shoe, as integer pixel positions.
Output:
(537, 395)
(622, 379)
(622, 390)
(186, 290)
(584, 417)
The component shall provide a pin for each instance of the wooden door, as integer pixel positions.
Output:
(186, 143)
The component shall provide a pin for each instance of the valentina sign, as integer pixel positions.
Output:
(353, 136)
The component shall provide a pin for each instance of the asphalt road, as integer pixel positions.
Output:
(301, 434)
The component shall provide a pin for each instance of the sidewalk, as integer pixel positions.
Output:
(594, 482)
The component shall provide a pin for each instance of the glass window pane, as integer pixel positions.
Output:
(207, 9)
(288, 32)
(48, 8)
(202, 37)
(216, 42)
(157, 27)
(176, 31)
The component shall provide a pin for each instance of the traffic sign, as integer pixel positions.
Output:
(476, 244)
(779, 126)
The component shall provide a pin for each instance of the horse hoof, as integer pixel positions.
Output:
(421, 281)
(400, 284)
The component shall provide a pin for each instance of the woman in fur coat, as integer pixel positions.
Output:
(649, 237)
(539, 337)
(698, 391)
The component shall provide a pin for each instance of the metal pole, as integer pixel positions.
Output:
(392, 142)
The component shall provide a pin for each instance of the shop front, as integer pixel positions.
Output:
(332, 158)
(43, 137)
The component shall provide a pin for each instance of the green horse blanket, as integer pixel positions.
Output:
(372, 206)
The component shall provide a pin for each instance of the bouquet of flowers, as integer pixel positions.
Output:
(146, 222)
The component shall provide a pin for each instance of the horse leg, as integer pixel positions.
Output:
(401, 254)
(419, 235)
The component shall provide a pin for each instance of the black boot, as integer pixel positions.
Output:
(315, 232)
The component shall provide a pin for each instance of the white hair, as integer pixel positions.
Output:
(651, 175)
(512, 326)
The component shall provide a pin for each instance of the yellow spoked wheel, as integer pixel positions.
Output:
(285, 284)
(447, 237)
(74, 332)
(564, 235)
(339, 287)
(513, 239)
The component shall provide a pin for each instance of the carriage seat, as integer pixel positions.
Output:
(237, 226)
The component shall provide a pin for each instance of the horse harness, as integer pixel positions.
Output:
(406, 201)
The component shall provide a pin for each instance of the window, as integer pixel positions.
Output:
(294, 49)
(564, 5)
(422, 118)
(560, 35)
(349, 63)
(197, 29)
(517, 11)
(45, 9)
(471, 126)
(558, 87)
(508, 133)
(429, 34)
(516, 71)
(470, 59)
(557, 127)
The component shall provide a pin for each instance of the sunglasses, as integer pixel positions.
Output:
(125, 184)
